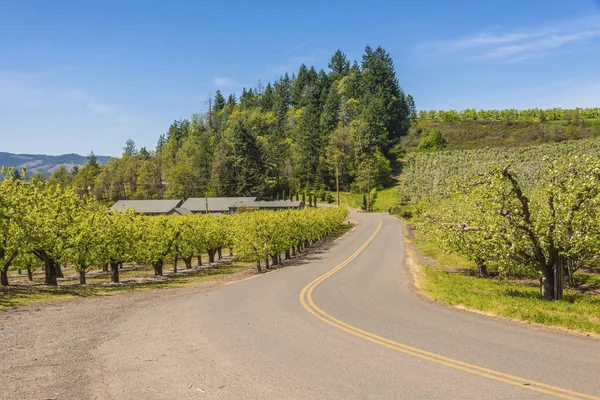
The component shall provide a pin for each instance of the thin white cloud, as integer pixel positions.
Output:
(90, 102)
(223, 82)
(75, 95)
(99, 108)
(520, 44)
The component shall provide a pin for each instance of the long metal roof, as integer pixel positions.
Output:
(147, 206)
(215, 204)
(269, 204)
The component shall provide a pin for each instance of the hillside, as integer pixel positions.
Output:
(44, 164)
(482, 133)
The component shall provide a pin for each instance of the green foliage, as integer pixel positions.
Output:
(493, 216)
(511, 115)
(59, 227)
(433, 142)
(429, 175)
(481, 133)
(308, 131)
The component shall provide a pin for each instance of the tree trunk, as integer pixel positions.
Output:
(199, 260)
(275, 259)
(231, 252)
(267, 266)
(19, 271)
(82, 280)
(105, 267)
(188, 262)
(50, 268)
(211, 255)
(4, 277)
(287, 255)
(175, 265)
(548, 286)
(220, 253)
(481, 267)
(158, 268)
(258, 267)
(120, 265)
(337, 183)
(293, 251)
(114, 269)
(29, 274)
(59, 273)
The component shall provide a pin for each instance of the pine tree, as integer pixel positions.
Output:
(339, 65)
(219, 102)
(385, 107)
(267, 98)
(129, 149)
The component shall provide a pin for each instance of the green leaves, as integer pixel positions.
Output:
(493, 216)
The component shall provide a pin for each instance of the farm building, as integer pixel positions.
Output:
(214, 205)
(268, 205)
(150, 207)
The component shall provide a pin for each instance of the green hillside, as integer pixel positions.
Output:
(471, 134)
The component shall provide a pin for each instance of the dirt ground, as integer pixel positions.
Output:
(47, 347)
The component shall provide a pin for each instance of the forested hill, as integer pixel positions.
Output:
(298, 133)
(44, 164)
(471, 129)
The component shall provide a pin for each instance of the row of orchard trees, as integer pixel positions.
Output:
(55, 226)
(551, 226)
(510, 115)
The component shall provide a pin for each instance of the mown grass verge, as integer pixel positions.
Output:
(449, 279)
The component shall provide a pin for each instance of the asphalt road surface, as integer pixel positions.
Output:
(344, 323)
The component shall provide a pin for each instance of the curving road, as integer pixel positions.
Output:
(344, 324)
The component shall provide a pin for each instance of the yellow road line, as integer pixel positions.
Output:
(307, 302)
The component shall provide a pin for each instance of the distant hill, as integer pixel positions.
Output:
(43, 163)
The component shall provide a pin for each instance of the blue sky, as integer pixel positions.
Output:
(80, 75)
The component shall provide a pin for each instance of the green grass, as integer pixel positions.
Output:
(386, 199)
(26, 294)
(577, 311)
(516, 300)
(448, 260)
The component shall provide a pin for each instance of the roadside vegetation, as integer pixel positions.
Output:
(456, 281)
(499, 229)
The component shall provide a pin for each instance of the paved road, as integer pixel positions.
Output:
(358, 333)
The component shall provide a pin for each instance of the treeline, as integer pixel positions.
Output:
(510, 115)
(47, 224)
(309, 131)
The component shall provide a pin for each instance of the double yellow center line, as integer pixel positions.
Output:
(307, 302)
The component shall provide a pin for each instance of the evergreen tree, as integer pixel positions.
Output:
(339, 65)
(231, 101)
(219, 102)
(267, 98)
(129, 149)
(386, 110)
